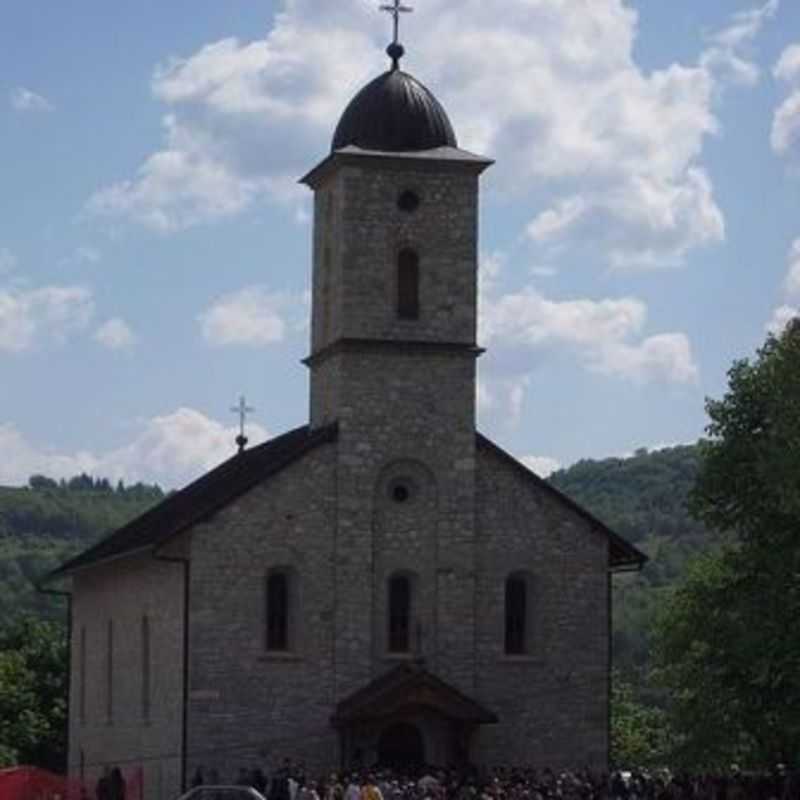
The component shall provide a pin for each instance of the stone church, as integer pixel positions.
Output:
(383, 584)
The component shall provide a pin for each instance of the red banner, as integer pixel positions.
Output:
(29, 783)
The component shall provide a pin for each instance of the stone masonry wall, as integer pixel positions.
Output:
(404, 412)
(359, 232)
(553, 701)
(406, 415)
(135, 734)
(250, 707)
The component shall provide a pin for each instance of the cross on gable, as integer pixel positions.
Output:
(242, 409)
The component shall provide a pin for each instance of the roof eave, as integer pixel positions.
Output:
(452, 157)
(86, 560)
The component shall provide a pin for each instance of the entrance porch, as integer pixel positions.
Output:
(408, 717)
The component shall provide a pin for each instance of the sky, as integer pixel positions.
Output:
(639, 230)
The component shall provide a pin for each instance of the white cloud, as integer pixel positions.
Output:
(8, 261)
(170, 450)
(788, 66)
(606, 335)
(252, 316)
(785, 136)
(179, 187)
(528, 318)
(644, 222)
(502, 396)
(543, 466)
(781, 317)
(115, 335)
(666, 357)
(543, 272)
(29, 317)
(484, 396)
(793, 277)
(616, 149)
(23, 99)
(725, 55)
(555, 221)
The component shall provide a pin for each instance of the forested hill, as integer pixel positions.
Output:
(640, 498)
(643, 498)
(47, 522)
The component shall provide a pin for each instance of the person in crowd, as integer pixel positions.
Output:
(279, 785)
(116, 785)
(353, 790)
(501, 783)
(103, 789)
(370, 790)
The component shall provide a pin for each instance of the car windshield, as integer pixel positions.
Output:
(222, 793)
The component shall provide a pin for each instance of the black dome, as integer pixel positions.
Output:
(396, 113)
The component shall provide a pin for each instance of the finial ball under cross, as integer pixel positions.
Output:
(242, 410)
(395, 49)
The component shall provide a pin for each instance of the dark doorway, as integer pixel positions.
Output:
(401, 745)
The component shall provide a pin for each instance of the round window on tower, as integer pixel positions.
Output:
(401, 490)
(408, 201)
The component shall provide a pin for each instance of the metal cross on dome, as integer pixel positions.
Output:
(242, 410)
(396, 9)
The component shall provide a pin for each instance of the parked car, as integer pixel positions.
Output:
(222, 793)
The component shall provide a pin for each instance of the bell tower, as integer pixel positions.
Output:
(395, 245)
(393, 362)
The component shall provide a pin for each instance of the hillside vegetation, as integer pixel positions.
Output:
(45, 523)
(643, 498)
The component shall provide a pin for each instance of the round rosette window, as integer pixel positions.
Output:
(408, 201)
(402, 490)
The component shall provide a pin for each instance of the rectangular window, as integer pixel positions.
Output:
(146, 667)
(110, 673)
(516, 613)
(82, 676)
(408, 285)
(278, 611)
(399, 614)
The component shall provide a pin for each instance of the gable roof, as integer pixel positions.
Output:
(232, 478)
(201, 499)
(623, 556)
(407, 685)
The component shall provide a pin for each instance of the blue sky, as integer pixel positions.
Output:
(639, 230)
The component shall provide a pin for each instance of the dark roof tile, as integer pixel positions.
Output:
(200, 499)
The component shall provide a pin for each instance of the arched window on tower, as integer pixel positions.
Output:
(278, 610)
(517, 615)
(408, 284)
(400, 614)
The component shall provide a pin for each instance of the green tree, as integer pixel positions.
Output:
(33, 692)
(640, 734)
(728, 641)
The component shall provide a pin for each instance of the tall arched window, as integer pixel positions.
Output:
(278, 611)
(408, 284)
(516, 615)
(400, 614)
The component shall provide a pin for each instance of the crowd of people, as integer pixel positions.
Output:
(291, 782)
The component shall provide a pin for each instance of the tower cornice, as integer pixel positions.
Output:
(397, 345)
(440, 159)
